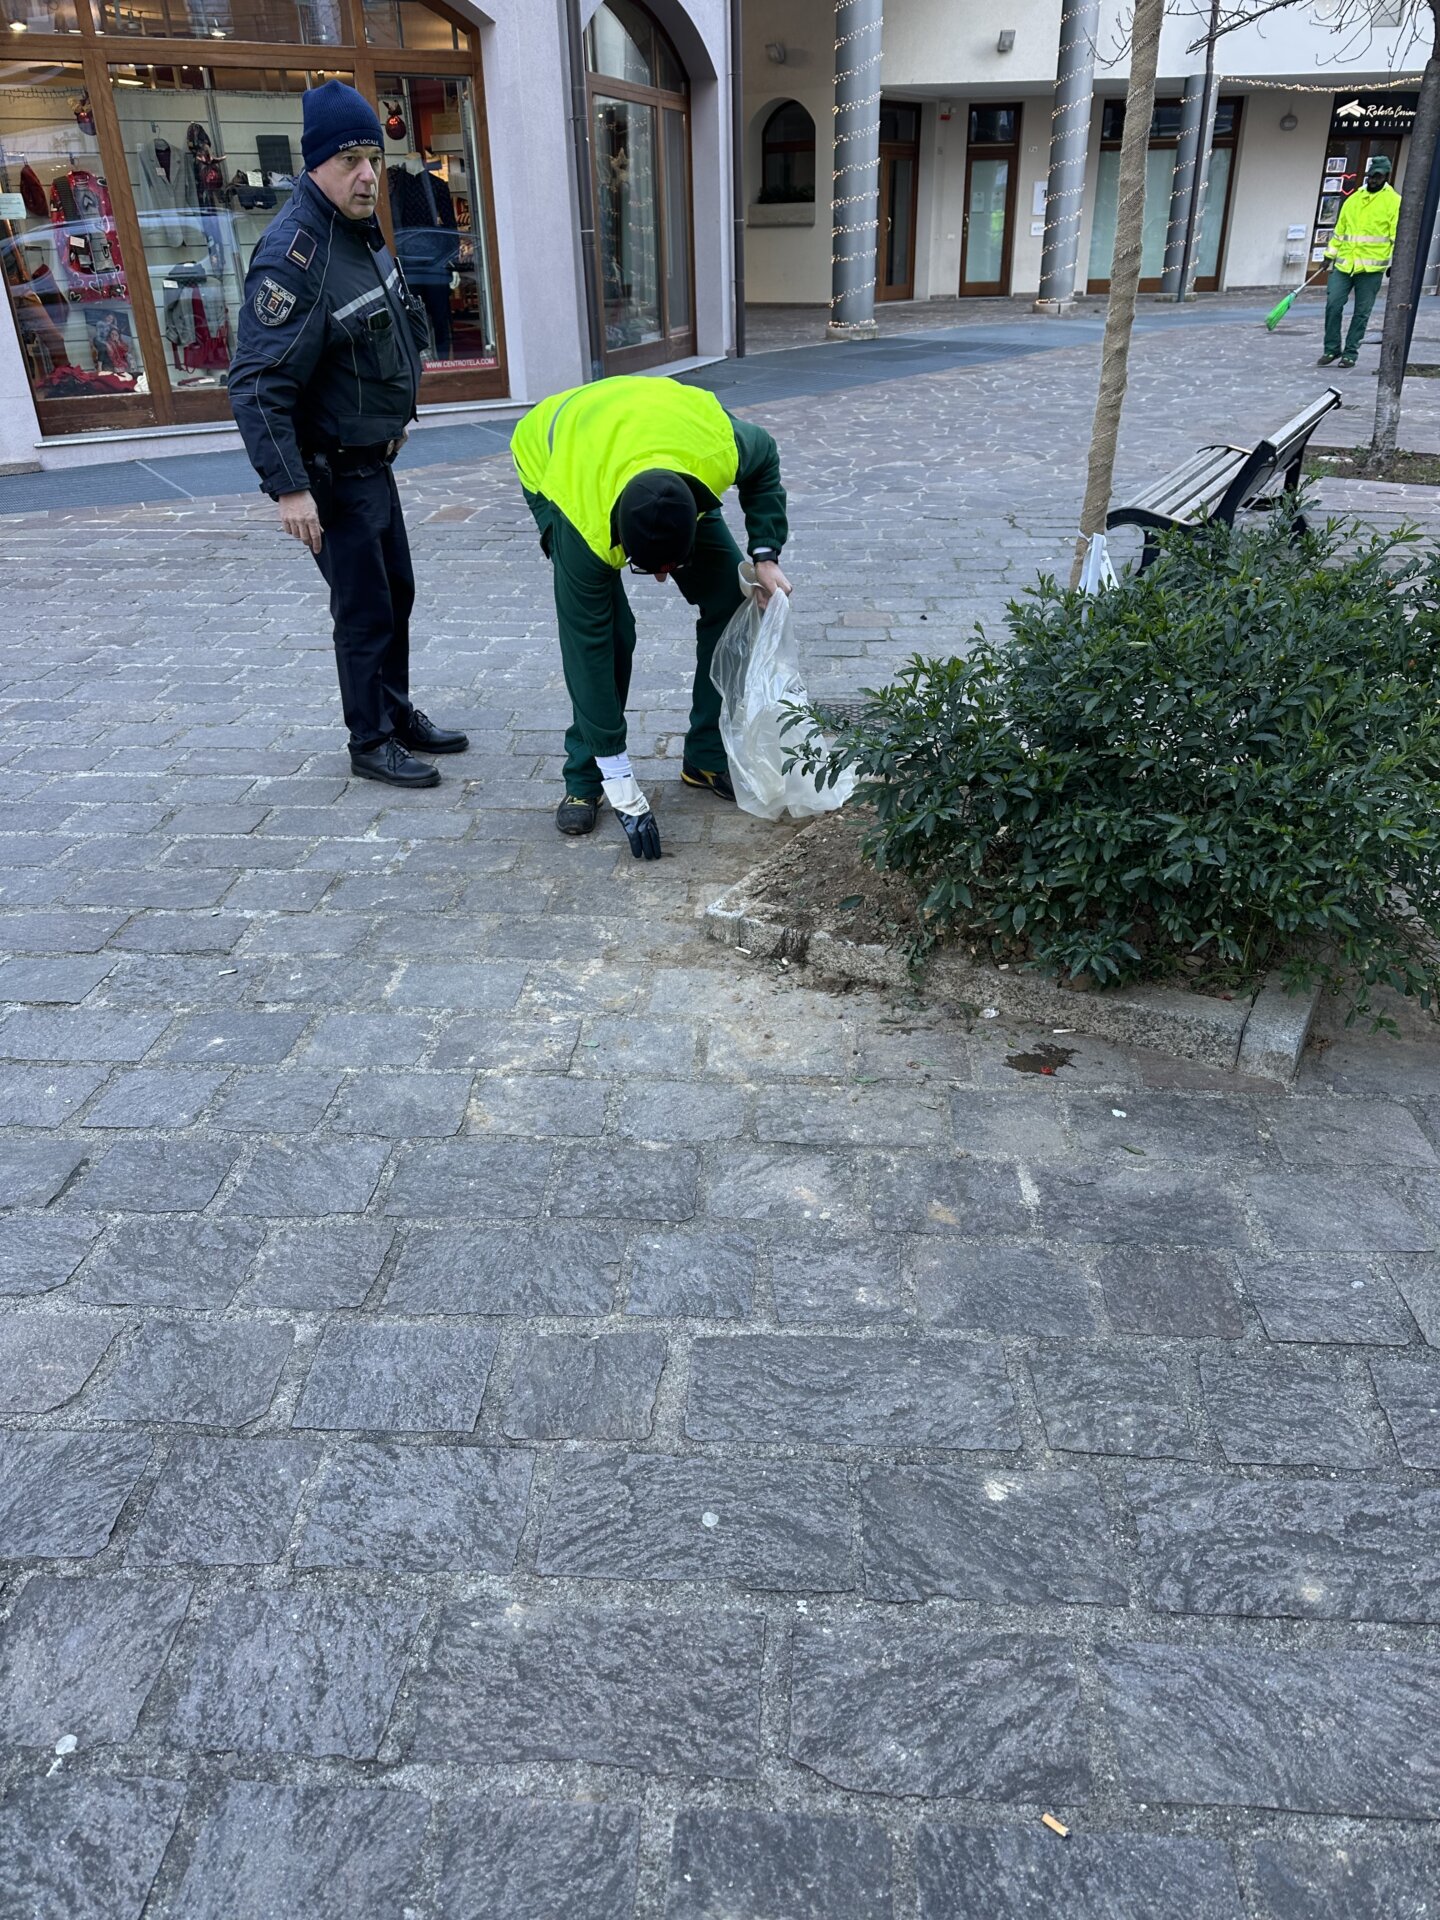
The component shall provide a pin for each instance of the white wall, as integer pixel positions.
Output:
(1277, 181)
(954, 43)
(789, 263)
(19, 428)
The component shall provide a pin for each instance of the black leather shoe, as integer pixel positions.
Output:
(421, 735)
(716, 783)
(394, 764)
(576, 814)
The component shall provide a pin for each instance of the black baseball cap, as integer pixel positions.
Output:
(655, 517)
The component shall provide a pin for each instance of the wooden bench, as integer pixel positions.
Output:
(1218, 482)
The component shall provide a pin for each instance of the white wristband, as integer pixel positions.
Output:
(615, 766)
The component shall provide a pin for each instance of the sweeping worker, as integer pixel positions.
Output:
(323, 387)
(1360, 249)
(631, 471)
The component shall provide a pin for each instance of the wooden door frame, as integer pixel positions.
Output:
(993, 150)
(890, 152)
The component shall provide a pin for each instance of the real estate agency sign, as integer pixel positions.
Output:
(1373, 113)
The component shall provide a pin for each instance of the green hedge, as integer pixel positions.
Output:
(1226, 764)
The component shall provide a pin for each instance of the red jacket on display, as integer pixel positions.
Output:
(90, 252)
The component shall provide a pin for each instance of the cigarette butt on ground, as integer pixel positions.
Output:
(1055, 1826)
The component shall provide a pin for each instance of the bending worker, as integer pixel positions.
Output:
(323, 386)
(1359, 250)
(632, 470)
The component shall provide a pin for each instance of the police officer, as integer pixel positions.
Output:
(632, 470)
(323, 387)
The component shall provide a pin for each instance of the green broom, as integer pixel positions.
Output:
(1278, 312)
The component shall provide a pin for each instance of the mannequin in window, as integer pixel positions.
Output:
(427, 238)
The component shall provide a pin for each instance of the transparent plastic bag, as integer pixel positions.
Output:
(756, 670)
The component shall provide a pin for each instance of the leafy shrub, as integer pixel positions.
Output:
(1229, 762)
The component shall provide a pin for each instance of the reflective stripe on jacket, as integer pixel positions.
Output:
(580, 449)
(1364, 236)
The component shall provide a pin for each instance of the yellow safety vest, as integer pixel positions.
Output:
(580, 449)
(1364, 236)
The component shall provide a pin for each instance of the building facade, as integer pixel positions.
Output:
(967, 105)
(146, 144)
(559, 177)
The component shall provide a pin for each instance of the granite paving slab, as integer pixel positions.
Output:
(511, 1408)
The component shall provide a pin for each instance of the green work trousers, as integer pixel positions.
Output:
(597, 641)
(1337, 292)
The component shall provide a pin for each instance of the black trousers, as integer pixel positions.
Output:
(365, 558)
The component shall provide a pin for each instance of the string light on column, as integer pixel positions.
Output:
(854, 179)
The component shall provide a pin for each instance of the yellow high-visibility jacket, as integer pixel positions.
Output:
(579, 449)
(1364, 236)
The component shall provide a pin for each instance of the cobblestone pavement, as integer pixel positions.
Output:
(504, 1414)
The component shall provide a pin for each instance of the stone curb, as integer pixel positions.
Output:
(1262, 1035)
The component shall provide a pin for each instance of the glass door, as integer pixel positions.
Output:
(899, 173)
(991, 170)
(640, 154)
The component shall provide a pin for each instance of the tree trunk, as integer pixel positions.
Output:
(1124, 272)
(1395, 339)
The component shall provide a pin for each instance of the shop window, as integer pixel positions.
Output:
(69, 285)
(406, 23)
(314, 23)
(1159, 179)
(621, 43)
(210, 165)
(787, 155)
(640, 147)
(899, 124)
(437, 212)
(37, 16)
(129, 219)
(993, 126)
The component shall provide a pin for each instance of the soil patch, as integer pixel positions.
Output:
(822, 883)
(1404, 469)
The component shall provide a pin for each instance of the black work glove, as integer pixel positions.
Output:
(643, 834)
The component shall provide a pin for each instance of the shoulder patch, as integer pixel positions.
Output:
(273, 303)
(302, 248)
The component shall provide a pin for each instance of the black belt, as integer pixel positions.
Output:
(355, 459)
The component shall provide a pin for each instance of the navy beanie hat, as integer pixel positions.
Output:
(655, 518)
(336, 117)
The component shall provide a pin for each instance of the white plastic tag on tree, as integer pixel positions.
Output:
(756, 669)
(1097, 572)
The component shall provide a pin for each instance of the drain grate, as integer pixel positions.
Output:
(840, 710)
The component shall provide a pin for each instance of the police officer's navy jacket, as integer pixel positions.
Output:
(329, 342)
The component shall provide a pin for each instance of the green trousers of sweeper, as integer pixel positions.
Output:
(1337, 292)
(597, 640)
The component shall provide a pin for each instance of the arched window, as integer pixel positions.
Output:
(787, 154)
(640, 145)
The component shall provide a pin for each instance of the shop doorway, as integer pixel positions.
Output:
(639, 102)
(1159, 178)
(992, 166)
(899, 179)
